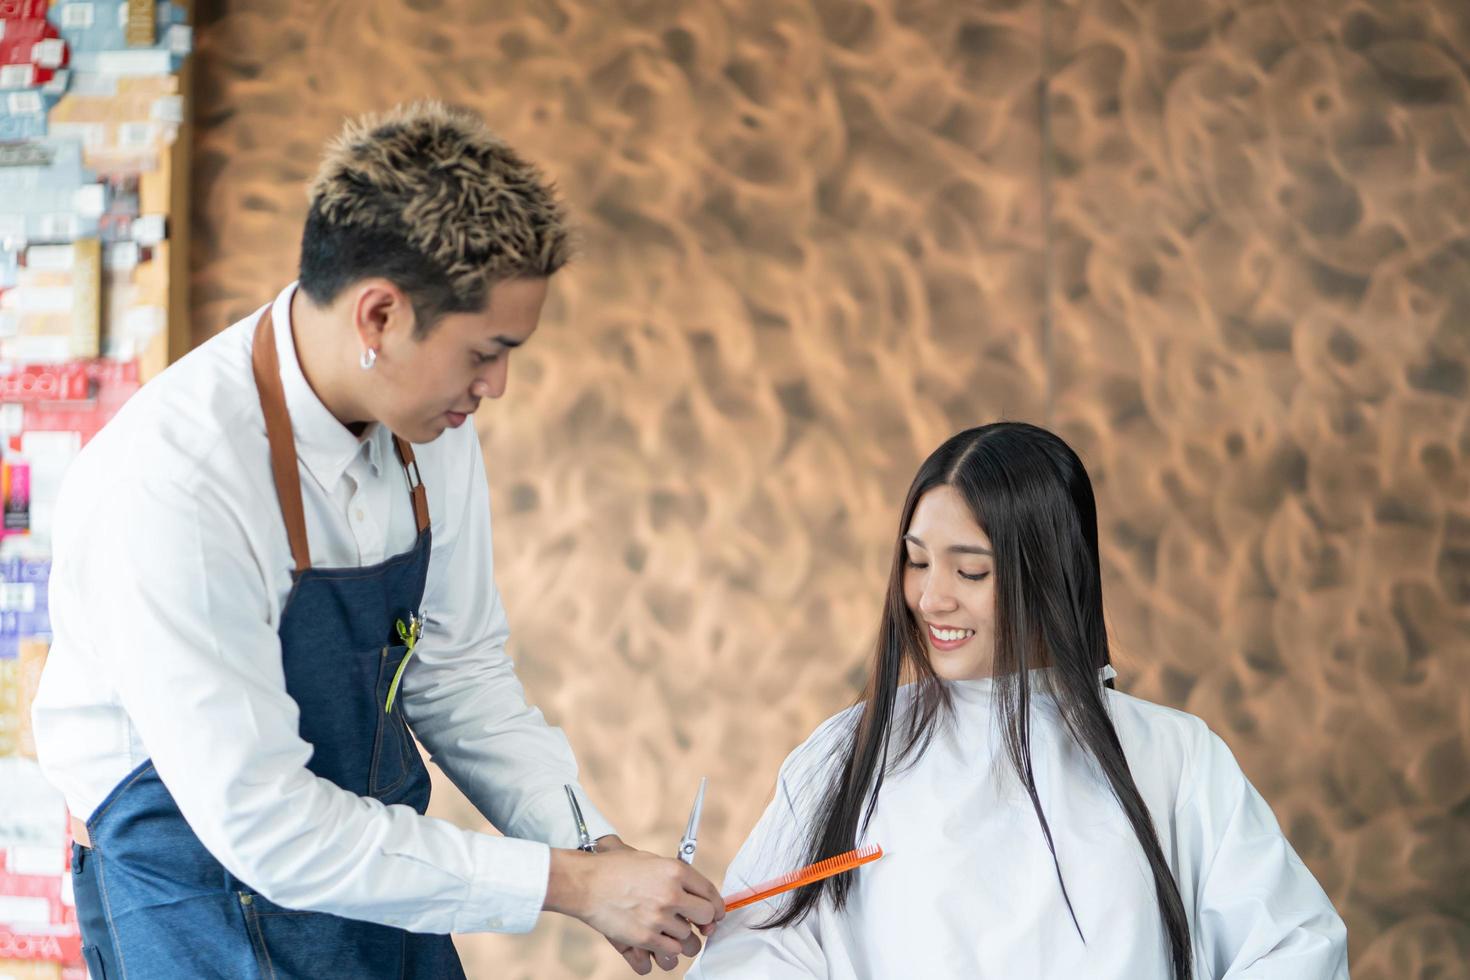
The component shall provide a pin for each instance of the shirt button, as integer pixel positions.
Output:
(496, 923)
(359, 513)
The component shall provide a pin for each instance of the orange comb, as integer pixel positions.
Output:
(804, 876)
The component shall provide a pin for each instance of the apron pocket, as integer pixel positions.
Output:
(392, 744)
(202, 937)
(92, 956)
(316, 946)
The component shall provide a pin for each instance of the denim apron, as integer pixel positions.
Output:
(152, 903)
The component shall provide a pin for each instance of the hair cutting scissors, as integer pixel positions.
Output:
(584, 839)
(691, 832)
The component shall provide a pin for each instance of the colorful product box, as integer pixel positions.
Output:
(37, 908)
(54, 312)
(40, 198)
(97, 33)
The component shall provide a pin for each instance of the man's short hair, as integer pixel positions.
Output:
(427, 197)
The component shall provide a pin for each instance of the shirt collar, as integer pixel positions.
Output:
(1042, 679)
(325, 445)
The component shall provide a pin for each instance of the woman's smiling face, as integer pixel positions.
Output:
(949, 584)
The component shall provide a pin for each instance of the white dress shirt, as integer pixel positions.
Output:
(171, 567)
(967, 888)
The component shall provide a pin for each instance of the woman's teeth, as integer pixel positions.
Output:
(950, 636)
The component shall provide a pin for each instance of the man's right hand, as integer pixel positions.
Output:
(635, 898)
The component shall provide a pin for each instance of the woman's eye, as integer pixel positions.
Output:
(977, 577)
(483, 359)
(916, 564)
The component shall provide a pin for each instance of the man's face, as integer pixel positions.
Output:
(424, 386)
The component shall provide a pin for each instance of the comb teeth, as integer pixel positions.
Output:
(804, 876)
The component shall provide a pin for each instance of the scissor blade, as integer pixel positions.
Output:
(582, 835)
(692, 831)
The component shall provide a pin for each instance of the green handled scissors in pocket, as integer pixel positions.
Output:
(409, 634)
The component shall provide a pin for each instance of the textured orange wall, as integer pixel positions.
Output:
(1228, 256)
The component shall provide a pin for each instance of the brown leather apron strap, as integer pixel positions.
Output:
(267, 369)
(283, 444)
(415, 484)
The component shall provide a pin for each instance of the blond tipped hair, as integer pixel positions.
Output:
(435, 182)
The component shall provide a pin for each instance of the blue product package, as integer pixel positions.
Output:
(9, 635)
(27, 126)
(9, 267)
(40, 200)
(96, 27)
(36, 573)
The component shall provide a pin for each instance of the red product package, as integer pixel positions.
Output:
(47, 382)
(59, 947)
(31, 50)
(77, 396)
(58, 938)
(23, 9)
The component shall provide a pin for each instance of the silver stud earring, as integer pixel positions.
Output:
(369, 358)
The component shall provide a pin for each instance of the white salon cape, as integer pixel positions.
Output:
(967, 888)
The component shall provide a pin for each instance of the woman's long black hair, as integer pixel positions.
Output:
(1031, 494)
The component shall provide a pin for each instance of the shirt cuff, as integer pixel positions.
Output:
(508, 886)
